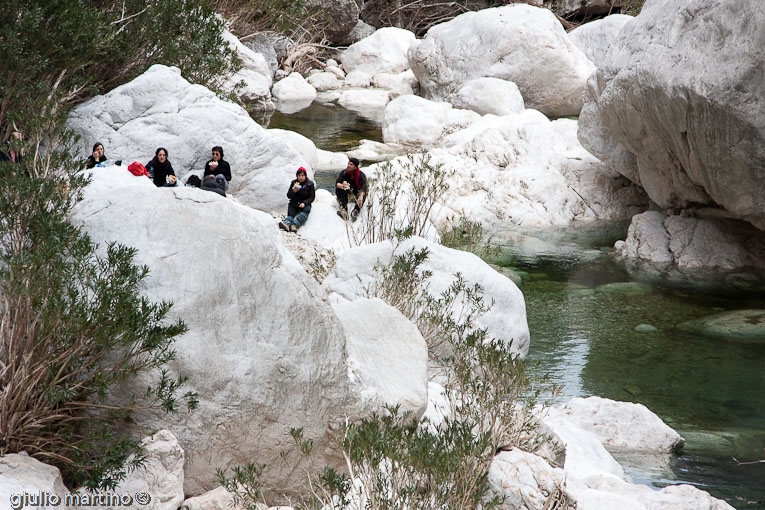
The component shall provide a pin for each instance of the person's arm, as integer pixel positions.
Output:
(225, 169)
(91, 162)
(311, 194)
(290, 191)
(340, 179)
(207, 170)
(170, 170)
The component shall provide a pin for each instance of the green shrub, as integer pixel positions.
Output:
(73, 326)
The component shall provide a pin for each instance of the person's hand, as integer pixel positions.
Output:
(358, 201)
(95, 156)
(213, 164)
(301, 205)
(295, 187)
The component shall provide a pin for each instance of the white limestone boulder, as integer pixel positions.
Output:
(369, 150)
(595, 38)
(382, 52)
(622, 427)
(354, 273)
(161, 109)
(160, 475)
(325, 81)
(387, 356)
(673, 109)
(330, 161)
(300, 144)
(255, 74)
(415, 121)
(363, 100)
(279, 362)
(691, 242)
(398, 84)
(524, 479)
(21, 474)
(518, 43)
(293, 88)
(525, 170)
(334, 69)
(216, 499)
(358, 79)
(489, 95)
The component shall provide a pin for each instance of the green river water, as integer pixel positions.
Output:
(582, 310)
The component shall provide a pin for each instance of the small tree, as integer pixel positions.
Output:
(73, 325)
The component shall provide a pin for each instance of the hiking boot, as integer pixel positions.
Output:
(284, 226)
(293, 228)
(342, 214)
(355, 215)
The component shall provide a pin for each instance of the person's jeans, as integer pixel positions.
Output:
(297, 216)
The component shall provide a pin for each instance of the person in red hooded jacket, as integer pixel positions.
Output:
(301, 194)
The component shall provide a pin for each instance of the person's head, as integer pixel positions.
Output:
(194, 181)
(301, 175)
(161, 154)
(98, 147)
(16, 135)
(217, 153)
(353, 164)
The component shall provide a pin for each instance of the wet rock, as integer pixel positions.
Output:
(625, 288)
(740, 325)
(519, 43)
(645, 328)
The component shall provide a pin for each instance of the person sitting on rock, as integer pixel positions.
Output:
(351, 181)
(97, 156)
(214, 184)
(301, 194)
(160, 169)
(8, 153)
(218, 166)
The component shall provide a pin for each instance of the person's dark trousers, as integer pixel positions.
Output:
(342, 199)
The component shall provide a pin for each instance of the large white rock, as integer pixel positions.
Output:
(387, 356)
(519, 43)
(692, 243)
(398, 84)
(677, 105)
(300, 144)
(325, 81)
(524, 479)
(415, 121)
(489, 95)
(255, 73)
(358, 79)
(264, 349)
(160, 475)
(216, 499)
(372, 99)
(293, 88)
(525, 170)
(622, 427)
(354, 272)
(21, 474)
(382, 52)
(369, 150)
(161, 109)
(595, 38)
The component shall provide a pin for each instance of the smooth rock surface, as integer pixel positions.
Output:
(161, 109)
(300, 144)
(293, 88)
(387, 356)
(363, 100)
(672, 108)
(257, 376)
(20, 473)
(489, 95)
(518, 43)
(415, 121)
(692, 243)
(398, 84)
(382, 52)
(595, 38)
(622, 427)
(325, 81)
(354, 272)
(358, 79)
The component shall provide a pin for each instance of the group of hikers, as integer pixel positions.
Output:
(351, 183)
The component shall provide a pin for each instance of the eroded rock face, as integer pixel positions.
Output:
(255, 75)
(677, 105)
(518, 43)
(264, 349)
(161, 109)
(692, 243)
(20, 473)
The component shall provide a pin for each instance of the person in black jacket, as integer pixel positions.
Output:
(97, 156)
(218, 166)
(160, 169)
(301, 194)
(214, 184)
(351, 181)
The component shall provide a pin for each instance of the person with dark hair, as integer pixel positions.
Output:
(351, 181)
(301, 194)
(97, 156)
(160, 169)
(194, 181)
(212, 183)
(218, 166)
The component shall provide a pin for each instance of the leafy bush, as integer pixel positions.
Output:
(73, 326)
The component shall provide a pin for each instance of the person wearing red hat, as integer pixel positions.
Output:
(301, 194)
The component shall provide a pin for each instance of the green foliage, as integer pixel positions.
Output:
(632, 7)
(468, 235)
(73, 326)
(54, 54)
(243, 485)
(283, 16)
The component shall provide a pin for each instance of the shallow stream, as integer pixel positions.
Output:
(583, 308)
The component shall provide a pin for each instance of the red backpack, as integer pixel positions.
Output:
(137, 168)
